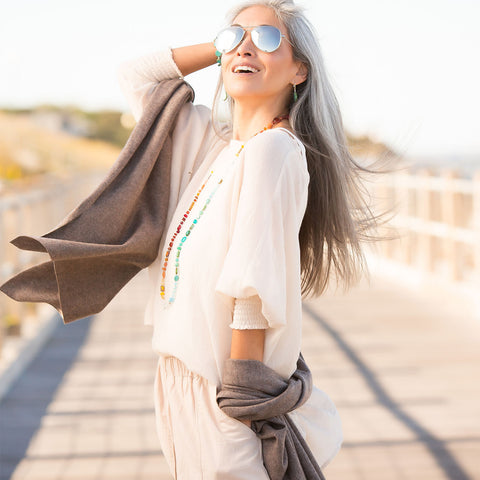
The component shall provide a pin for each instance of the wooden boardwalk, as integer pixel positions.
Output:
(403, 368)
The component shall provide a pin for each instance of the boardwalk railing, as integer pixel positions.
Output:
(437, 220)
(33, 212)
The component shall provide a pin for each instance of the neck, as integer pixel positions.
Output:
(250, 119)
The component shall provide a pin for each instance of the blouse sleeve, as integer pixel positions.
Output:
(193, 129)
(263, 256)
(138, 77)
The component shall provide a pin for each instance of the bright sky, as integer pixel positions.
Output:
(405, 72)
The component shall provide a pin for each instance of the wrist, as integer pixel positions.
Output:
(248, 423)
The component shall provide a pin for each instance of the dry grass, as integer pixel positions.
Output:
(27, 149)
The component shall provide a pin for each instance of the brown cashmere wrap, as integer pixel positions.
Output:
(252, 391)
(116, 231)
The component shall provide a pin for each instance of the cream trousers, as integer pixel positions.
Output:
(199, 441)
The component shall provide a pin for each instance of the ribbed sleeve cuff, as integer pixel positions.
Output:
(247, 314)
(172, 63)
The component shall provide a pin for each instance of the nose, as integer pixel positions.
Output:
(246, 46)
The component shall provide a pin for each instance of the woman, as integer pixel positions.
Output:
(263, 208)
(271, 204)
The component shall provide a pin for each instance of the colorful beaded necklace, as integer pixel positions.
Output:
(195, 221)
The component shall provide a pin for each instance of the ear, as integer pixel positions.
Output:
(301, 75)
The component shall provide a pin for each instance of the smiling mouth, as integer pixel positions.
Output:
(245, 70)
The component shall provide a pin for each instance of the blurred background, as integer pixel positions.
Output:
(406, 75)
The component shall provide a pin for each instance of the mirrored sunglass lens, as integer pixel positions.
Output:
(266, 38)
(228, 39)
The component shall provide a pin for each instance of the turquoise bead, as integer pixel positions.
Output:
(187, 233)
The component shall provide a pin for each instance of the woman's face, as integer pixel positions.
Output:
(277, 70)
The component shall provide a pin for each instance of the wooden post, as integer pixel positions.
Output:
(476, 226)
(29, 224)
(381, 189)
(449, 218)
(406, 242)
(11, 310)
(3, 306)
(424, 206)
(386, 194)
(3, 240)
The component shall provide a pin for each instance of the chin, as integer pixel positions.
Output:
(243, 94)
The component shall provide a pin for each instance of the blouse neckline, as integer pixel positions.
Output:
(240, 142)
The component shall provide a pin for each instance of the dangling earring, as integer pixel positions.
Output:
(226, 97)
(295, 96)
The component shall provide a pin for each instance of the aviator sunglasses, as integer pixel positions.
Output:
(265, 37)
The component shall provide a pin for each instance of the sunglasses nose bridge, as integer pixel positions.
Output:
(247, 34)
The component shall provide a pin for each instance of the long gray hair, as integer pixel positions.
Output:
(337, 217)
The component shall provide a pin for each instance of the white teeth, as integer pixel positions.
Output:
(245, 68)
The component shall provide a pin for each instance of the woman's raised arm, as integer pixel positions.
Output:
(194, 57)
(137, 77)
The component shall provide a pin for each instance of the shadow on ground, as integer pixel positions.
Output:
(23, 407)
(437, 448)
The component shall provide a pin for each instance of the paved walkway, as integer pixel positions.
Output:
(402, 368)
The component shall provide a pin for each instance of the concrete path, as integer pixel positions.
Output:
(84, 409)
(402, 367)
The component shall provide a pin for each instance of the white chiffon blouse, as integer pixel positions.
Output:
(244, 243)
